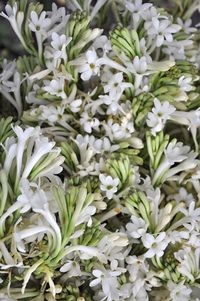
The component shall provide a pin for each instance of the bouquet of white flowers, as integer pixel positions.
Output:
(99, 153)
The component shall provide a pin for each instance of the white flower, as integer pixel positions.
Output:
(162, 30)
(30, 234)
(90, 65)
(155, 245)
(182, 195)
(59, 43)
(39, 24)
(176, 50)
(179, 291)
(192, 212)
(189, 262)
(136, 266)
(86, 149)
(71, 269)
(56, 87)
(51, 114)
(191, 119)
(185, 83)
(104, 145)
(137, 6)
(108, 185)
(85, 216)
(176, 152)
(112, 103)
(75, 105)
(117, 132)
(137, 228)
(140, 65)
(159, 115)
(27, 151)
(89, 122)
(137, 9)
(186, 26)
(116, 86)
(15, 18)
(108, 280)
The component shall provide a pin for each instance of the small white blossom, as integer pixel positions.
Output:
(161, 30)
(39, 24)
(75, 105)
(179, 291)
(89, 123)
(116, 86)
(90, 65)
(55, 87)
(159, 115)
(137, 9)
(51, 114)
(119, 132)
(176, 152)
(108, 280)
(186, 26)
(182, 195)
(108, 185)
(155, 245)
(189, 262)
(59, 43)
(71, 269)
(137, 228)
(185, 83)
(137, 6)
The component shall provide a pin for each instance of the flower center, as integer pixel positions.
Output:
(109, 187)
(92, 66)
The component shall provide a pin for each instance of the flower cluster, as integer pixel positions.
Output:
(99, 153)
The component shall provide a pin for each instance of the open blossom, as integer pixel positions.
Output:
(108, 185)
(179, 291)
(185, 83)
(155, 245)
(90, 65)
(108, 280)
(89, 122)
(176, 152)
(39, 24)
(56, 87)
(71, 269)
(116, 86)
(161, 30)
(159, 115)
(51, 114)
(59, 43)
(137, 227)
(186, 26)
(119, 132)
(137, 8)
